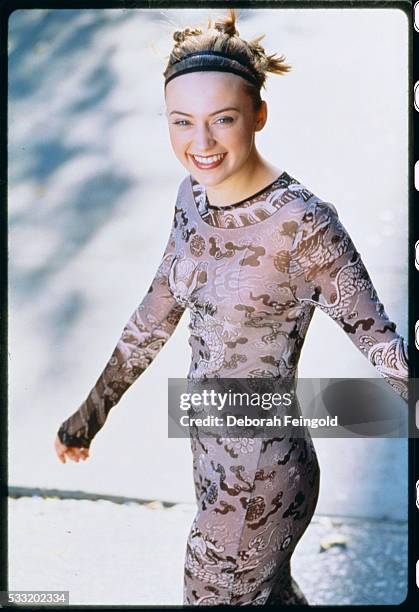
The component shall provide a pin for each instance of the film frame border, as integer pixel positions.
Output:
(411, 9)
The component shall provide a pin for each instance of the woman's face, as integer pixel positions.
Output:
(212, 124)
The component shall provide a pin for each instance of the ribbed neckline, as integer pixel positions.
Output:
(250, 211)
(251, 197)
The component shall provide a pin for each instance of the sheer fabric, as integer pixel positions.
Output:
(251, 276)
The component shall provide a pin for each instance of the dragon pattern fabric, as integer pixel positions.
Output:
(251, 275)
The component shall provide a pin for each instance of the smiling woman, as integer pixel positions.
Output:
(217, 140)
(251, 254)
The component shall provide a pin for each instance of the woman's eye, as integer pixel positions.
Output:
(224, 120)
(220, 120)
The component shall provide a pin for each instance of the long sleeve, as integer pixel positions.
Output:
(146, 332)
(327, 272)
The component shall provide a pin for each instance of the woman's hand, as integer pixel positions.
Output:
(72, 452)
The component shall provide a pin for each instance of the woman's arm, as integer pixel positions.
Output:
(327, 271)
(146, 332)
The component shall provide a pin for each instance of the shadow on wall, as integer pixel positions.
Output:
(62, 189)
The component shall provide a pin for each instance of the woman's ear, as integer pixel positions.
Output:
(261, 116)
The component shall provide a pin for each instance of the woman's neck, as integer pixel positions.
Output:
(253, 177)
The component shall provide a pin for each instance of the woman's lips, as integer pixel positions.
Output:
(208, 166)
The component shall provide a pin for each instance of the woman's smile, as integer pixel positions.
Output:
(207, 162)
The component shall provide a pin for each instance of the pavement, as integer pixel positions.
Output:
(129, 553)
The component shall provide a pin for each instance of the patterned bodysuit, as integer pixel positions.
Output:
(251, 275)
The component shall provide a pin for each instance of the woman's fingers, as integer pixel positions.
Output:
(71, 452)
(77, 453)
(74, 453)
(59, 449)
(84, 452)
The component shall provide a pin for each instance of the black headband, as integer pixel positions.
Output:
(210, 60)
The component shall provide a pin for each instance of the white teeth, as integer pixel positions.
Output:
(208, 160)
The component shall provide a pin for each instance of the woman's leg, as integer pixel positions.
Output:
(255, 499)
(286, 591)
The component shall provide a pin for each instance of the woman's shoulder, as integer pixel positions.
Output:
(309, 206)
(316, 224)
(186, 195)
(184, 187)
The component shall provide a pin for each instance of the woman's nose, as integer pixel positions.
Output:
(204, 138)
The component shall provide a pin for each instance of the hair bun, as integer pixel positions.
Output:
(223, 35)
(180, 35)
(227, 25)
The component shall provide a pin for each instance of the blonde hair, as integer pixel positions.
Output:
(224, 37)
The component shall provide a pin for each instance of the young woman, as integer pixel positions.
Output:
(252, 252)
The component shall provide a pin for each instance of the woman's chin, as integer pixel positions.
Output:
(209, 178)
